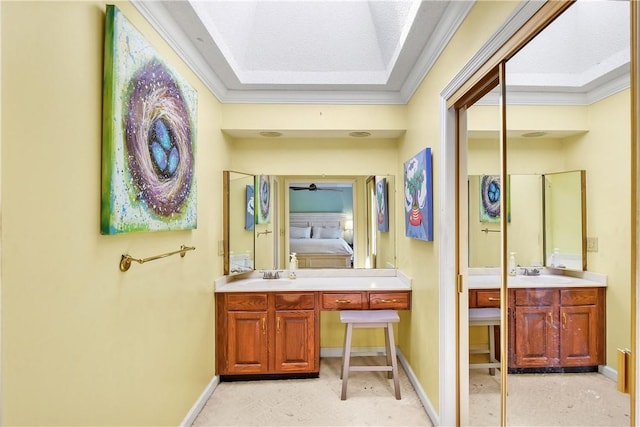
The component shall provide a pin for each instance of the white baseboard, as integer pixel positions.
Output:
(199, 404)
(608, 372)
(380, 351)
(428, 407)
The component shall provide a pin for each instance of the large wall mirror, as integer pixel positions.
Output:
(339, 221)
(546, 220)
(333, 222)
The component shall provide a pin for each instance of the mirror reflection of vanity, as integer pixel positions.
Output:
(546, 212)
(358, 223)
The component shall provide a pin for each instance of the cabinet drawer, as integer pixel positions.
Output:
(535, 297)
(342, 301)
(486, 299)
(246, 301)
(295, 301)
(579, 296)
(389, 300)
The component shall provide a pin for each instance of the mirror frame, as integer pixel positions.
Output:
(583, 228)
(226, 223)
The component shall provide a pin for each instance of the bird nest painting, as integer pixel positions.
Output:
(149, 136)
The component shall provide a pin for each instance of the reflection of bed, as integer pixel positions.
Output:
(326, 248)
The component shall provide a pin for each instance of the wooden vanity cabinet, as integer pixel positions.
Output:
(267, 333)
(582, 327)
(535, 341)
(366, 300)
(557, 327)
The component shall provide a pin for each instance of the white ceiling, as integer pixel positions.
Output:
(378, 51)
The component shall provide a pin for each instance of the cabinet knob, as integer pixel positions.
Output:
(388, 300)
(343, 301)
(493, 299)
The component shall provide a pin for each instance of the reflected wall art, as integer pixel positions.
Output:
(381, 204)
(491, 193)
(263, 199)
(418, 196)
(250, 217)
(149, 136)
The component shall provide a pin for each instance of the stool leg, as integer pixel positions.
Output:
(346, 361)
(492, 349)
(394, 363)
(387, 347)
(344, 346)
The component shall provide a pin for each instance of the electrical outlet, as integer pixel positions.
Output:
(592, 244)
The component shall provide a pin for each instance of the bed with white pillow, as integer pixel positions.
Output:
(317, 239)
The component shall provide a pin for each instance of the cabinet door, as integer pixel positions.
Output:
(536, 337)
(295, 341)
(247, 342)
(579, 336)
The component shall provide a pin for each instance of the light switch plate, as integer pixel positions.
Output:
(592, 244)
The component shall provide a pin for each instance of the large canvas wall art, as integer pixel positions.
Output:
(149, 136)
(418, 196)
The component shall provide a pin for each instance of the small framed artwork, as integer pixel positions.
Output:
(263, 199)
(381, 204)
(250, 217)
(418, 196)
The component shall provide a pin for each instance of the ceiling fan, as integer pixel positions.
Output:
(313, 187)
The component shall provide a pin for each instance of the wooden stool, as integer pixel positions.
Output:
(486, 317)
(369, 319)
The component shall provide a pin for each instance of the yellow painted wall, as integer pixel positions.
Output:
(419, 329)
(605, 154)
(82, 342)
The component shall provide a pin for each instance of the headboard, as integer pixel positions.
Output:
(318, 219)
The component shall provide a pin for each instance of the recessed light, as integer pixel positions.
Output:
(533, 134)
(360, 134)
(271, 134)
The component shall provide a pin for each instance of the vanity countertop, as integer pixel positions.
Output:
(489, 280)
(318, 280)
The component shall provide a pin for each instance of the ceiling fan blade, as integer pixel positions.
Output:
(313, 187)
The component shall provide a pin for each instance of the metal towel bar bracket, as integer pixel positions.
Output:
(125, 260)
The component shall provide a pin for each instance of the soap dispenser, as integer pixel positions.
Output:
(512, 264)
(293, 266)
(555, 258)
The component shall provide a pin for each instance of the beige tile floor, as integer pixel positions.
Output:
(316, 402)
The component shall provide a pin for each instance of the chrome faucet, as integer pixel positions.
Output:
(270, 274)
(531, 272)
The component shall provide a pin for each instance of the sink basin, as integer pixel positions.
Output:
(545, 279)
(268, 282)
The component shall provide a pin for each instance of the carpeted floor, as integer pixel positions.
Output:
(585, 399)
(316, 402)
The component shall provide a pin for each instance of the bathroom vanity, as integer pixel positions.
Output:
(271, 327)
(554, 326)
